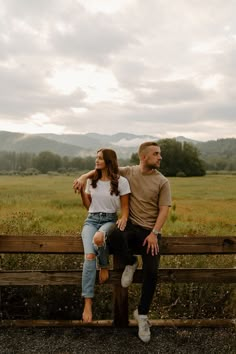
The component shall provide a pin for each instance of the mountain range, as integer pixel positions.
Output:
(87, 144)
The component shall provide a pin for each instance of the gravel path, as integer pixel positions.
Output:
(112, 340)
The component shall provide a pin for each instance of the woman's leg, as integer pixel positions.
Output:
(87, 312)
(102, 250)
(89, 269)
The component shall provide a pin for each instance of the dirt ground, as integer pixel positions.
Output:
(114, 340)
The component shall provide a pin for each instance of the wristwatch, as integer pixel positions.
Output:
(156, 232)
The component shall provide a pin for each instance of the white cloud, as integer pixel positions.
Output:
(132, 142)
(159, 68)
(97, 83)
(106, 6)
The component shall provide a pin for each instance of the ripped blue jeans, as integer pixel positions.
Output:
(93, 223)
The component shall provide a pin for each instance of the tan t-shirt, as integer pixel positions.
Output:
(148, 192)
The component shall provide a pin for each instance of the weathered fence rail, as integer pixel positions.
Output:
(219, 245)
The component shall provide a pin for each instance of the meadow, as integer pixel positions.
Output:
(47, 205)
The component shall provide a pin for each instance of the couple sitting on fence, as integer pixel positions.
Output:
(143, 196)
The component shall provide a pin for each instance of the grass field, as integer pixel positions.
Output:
(47, 205)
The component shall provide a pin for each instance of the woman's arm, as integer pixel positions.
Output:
(86, 198)
(124, 206)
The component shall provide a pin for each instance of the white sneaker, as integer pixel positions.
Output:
(144, 332)
(128, 274)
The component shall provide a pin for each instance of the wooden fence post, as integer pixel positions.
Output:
(120, 299)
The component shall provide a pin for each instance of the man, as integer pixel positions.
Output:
(150, 200)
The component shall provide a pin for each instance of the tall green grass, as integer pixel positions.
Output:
(203, 206)
(47, 205)
(41, 205)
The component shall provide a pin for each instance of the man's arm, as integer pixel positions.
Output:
(80, 182)
(151, 240)
(162, 217)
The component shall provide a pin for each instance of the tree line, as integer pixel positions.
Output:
(179, 159)
(44, 162)
(219, 155)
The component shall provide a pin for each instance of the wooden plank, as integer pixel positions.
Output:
(68, 244)
(109, 323)
(198, 275)
(40, 244)
(37, 277)
(199, 245)
(73, 277)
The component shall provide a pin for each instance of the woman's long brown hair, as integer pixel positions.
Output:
(111, 162)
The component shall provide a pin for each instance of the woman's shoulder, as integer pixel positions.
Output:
(123, 182)
(122, 179)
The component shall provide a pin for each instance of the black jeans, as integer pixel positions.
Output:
(129, 242)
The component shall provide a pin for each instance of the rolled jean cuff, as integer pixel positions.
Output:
(87, 296)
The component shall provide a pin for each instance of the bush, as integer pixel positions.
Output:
(180, 174)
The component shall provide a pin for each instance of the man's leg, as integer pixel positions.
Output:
(118, 242)
(150, 272)
(150, 269)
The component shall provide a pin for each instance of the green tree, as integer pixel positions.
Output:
(47, 161)
(134, 160)
(180, 158)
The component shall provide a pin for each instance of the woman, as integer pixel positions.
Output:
(104, 195)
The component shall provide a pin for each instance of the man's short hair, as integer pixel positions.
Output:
(143, 146)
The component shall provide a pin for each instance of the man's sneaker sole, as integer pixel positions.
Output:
(128, 274)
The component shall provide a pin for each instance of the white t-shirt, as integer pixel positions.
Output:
(102, 200)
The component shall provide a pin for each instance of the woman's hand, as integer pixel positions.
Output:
(121, 223)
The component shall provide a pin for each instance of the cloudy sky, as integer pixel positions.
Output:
(156, 67)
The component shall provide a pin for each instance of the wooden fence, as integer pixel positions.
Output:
(215, 245)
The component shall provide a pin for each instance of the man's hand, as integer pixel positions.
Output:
(152, 244)
(79, 184)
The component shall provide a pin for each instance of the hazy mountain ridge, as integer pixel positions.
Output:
(87, 144)
(71, 144)
(35, 143)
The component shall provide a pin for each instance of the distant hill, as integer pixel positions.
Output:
(71, 144)
(35, 143)
(225, 148)
(87, 144)
(95, 141)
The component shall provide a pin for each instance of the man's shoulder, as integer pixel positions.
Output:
(160, 175)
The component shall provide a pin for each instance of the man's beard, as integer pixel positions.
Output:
(153, 166)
